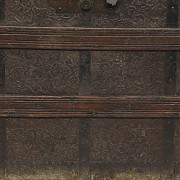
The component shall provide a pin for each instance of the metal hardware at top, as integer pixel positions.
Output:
(79, 6)
(86, 4)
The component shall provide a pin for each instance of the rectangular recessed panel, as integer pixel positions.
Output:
(127, 142)
(128, 73)
(37, 72)
(42, 148)
(127, 149)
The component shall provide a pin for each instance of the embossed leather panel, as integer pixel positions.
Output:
(128, 14)
(128, 73)
(37, 72)
(42, 148)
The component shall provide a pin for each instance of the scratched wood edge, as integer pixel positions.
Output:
(90, 38)
(90, 107)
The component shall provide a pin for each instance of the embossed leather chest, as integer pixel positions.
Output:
(89, 90)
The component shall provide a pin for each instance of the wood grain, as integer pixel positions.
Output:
(90, 38)
(122, 107)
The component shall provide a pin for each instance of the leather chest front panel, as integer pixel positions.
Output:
(88, 147)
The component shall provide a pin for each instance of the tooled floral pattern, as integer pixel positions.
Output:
(37, 72)
(134, 13)
(129, 13)
(127, 141)
(42, 148)
(127, 73)
(36, 13)
(42, 140)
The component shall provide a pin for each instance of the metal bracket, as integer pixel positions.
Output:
(112, 2)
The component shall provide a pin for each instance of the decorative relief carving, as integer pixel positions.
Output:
(37, 72)
(129, 13)
(127, 73)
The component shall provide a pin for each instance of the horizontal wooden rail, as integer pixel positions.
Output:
(120, 107)
(90, 38)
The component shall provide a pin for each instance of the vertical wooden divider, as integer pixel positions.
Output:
(84, 90)
(170, 89)
(2, 121)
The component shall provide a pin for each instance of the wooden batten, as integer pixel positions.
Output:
(90, 38)
(119, 107)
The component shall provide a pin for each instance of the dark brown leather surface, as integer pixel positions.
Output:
(42, 145)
